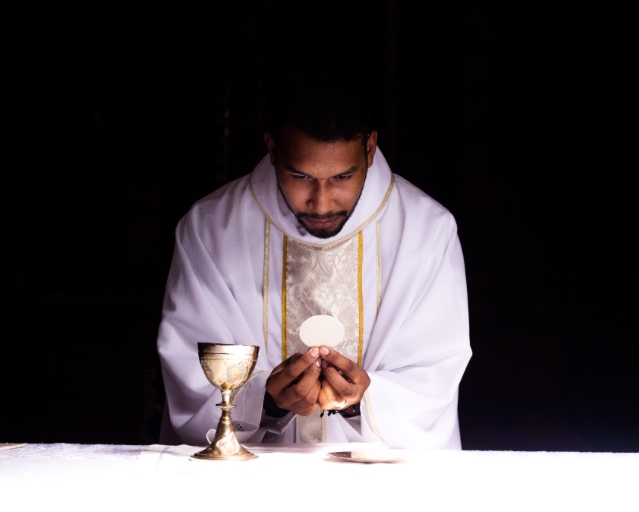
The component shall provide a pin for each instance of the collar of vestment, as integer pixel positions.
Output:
(377, 188)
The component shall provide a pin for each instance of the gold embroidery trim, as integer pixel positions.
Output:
(284, 258)
(334, 242)
(379, 265)
(360, 294)
(267, 252)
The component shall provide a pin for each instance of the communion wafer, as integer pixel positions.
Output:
(321, 330)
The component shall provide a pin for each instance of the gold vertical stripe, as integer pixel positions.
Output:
(284, 258)
(267, 252)
(379, 265)
(360, 294)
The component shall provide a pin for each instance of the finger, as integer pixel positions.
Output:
(348, 379)
(291, 370)
(333, 359)
(297, 365)
(338, 388)
(305, 399)
(284, 363)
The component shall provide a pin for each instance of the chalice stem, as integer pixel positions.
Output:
(225, 425)
(225, 428)
(226, 400)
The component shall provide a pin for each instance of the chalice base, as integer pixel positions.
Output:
(212, 452)
(225, 446)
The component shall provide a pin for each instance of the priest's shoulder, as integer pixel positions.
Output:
(414, 199)
(223, 198)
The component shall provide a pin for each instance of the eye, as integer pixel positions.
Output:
(343, 177)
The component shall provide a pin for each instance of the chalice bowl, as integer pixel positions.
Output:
(228, 368)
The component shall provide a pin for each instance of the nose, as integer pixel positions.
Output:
(320, 200)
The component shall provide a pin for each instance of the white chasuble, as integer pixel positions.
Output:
(324, 280)
(394, 277)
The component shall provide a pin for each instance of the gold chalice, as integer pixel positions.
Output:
(228, 368)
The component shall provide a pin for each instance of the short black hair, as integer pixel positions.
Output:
(328, 103)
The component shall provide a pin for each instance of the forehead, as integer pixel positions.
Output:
(297, 151)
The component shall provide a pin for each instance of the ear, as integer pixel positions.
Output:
(371, 147)
(270, 146)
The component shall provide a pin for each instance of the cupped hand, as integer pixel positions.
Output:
(294, 383)
(343, 382)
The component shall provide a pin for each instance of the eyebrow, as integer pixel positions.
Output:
(350, 170)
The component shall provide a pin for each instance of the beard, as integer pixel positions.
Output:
(340, 220)
(340, 216)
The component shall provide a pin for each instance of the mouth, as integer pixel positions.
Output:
(322, 223)
(325, 225)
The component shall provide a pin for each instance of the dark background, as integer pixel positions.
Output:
(116, 116)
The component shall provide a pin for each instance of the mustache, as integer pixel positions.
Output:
(323, 216)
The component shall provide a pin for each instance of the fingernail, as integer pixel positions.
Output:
(315, 351)
(324, 351)
(324, 364)
(318, 362)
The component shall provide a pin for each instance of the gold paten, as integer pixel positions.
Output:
(228, 368)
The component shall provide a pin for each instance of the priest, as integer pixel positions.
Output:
(321, 226)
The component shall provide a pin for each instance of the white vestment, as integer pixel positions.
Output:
(406, 308)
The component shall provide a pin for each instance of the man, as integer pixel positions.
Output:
(320, 227)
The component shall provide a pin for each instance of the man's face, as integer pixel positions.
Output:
(321, 181)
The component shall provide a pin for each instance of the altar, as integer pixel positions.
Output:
(312, 477)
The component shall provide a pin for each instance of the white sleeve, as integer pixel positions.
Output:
(420, 346)
(200, 306)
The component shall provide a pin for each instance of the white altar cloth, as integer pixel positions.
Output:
(160, 477)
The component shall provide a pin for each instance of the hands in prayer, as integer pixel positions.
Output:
(320, 377)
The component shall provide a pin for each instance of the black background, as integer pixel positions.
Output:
(116, 116)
